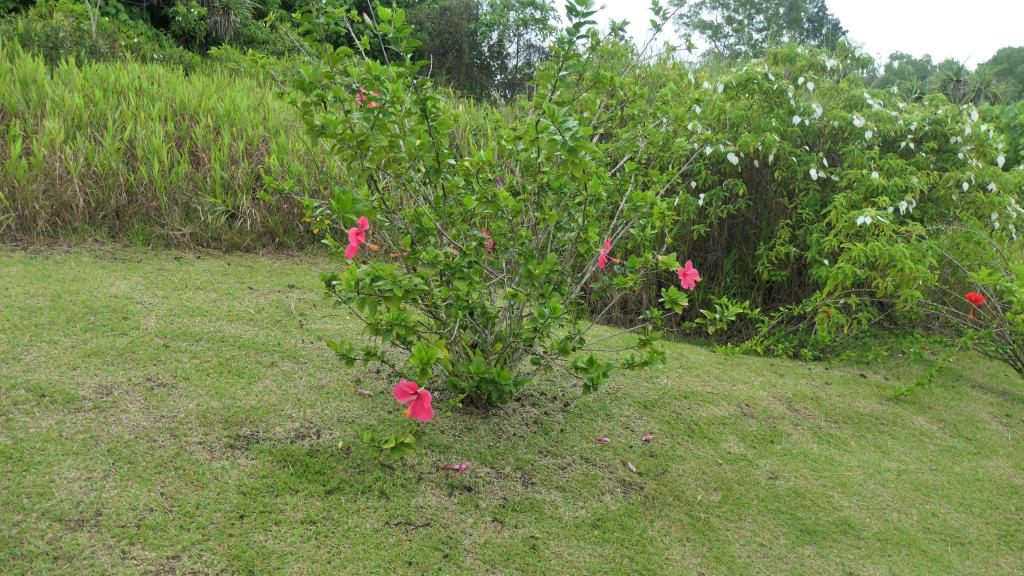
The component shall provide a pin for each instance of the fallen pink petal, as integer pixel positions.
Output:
(602, 440)
(458, 468)
(647, 438)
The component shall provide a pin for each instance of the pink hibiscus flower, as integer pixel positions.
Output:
(357, 237)
(602, 260)
(647, 438)
(688, 276)
(490, 241)
(416, 399)
(364, 97)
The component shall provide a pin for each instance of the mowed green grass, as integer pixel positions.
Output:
(166, 413)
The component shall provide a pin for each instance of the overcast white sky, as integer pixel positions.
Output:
(968, 30)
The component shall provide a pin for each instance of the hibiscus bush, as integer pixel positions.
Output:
(978, 295)
(481, 243)
(472, 257)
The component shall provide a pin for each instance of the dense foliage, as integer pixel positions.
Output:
(141, 150)
(481, 242)
(67, 29)
(742, 28)
(998, 80)
(491, 246)
(816, 195)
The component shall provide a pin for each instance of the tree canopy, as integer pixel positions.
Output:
(1007, 68)
(744, 28)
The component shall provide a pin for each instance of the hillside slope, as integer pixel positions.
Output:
(168, 413)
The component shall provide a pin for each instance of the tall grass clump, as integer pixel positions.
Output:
(123, 146)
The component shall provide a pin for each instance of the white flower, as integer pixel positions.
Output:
(707, 150)
(721, 87)
(810, 86)
(991, 186)
(825, 162)
(814, 174)
(700, 200)
(733, 159)
(858, 121)
(757, 164)
(1000, 161)
(965, 186)
(974, 115)
(693, 185)
(994, 216)
(863, 220)
(825, 260)
(903, 207)
(800, 81)
(696, 109)
(874, 174)
(818, 110)
(830, 63)
(796, 120)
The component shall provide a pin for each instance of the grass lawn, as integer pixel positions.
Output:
(166, 413)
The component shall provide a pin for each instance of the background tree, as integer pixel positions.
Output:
(910, 75)
(960, 85)
(485, 48)
(1007, 68)
(744, 28)
(453, 42)
(516, 35)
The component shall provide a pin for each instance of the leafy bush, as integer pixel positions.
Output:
(978, 294)
(811, 197)
(1010, 120)
(489, 249)
(119, 145)
(62, 29)
(813, 205)
(11, 5)
(189, 23)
